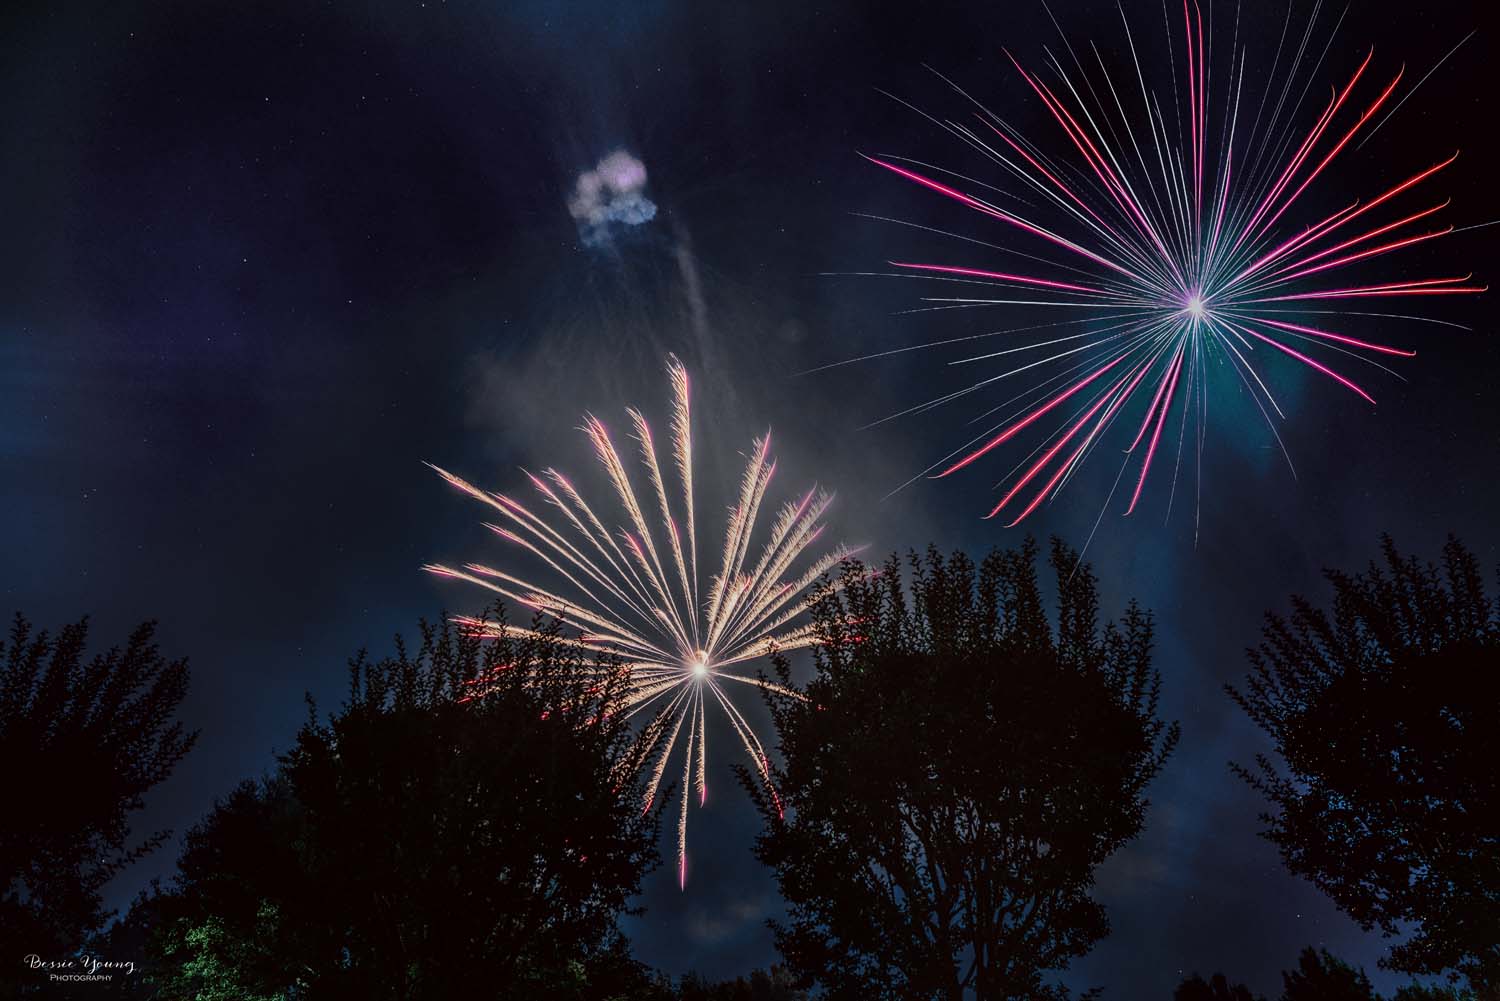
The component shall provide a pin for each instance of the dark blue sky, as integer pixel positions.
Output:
(260, 262)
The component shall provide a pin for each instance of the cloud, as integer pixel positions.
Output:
(611, 194)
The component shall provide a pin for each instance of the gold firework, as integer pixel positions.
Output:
(635, 594)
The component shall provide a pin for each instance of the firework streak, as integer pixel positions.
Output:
(635, 593)
(1175, 232)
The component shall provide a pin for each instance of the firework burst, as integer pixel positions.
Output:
(1173, 230)
(635, 593)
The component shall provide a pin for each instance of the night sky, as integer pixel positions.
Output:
(260, 261)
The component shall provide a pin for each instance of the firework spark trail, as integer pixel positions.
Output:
(636, 593)
(1180, 224)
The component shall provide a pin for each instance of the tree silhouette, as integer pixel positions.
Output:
(775, 984)
(1433, 992)
(1320, 976)
(1384, 716)
(1215, 988)
(954, 775)
(468, 823)
(83, 741)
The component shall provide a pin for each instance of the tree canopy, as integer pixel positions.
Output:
(954, 773)
(85, 740)
(1319, 976)
(468, 820)
(1215, 988)
(1386, 796)
(775, 984)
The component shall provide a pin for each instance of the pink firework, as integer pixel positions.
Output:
(1173, 230)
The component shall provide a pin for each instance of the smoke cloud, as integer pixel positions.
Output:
(610, 195)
